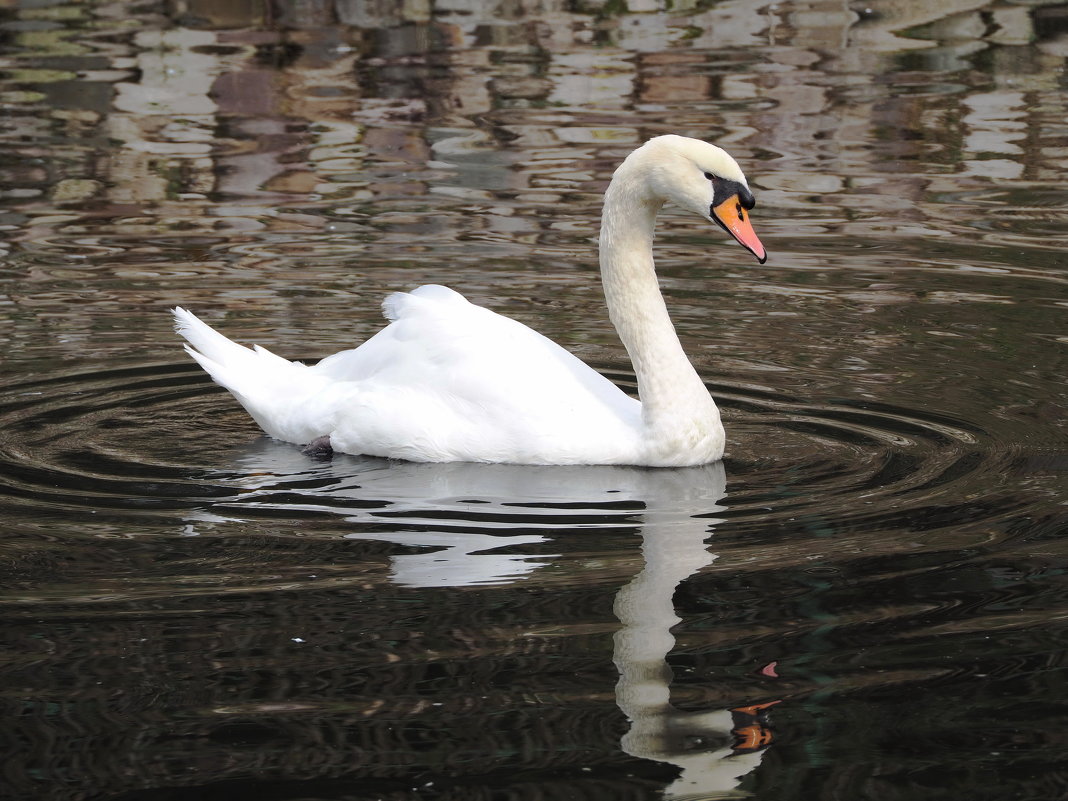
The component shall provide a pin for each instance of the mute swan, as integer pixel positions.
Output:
(449, 381)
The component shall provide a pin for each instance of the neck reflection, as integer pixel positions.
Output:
(463, 513)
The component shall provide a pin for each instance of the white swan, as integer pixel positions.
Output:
(449, 381)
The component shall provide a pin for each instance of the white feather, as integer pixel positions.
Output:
(447, 380)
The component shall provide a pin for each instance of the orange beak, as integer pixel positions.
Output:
(734, 220)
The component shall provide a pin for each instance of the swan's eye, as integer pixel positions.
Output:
(709, 176)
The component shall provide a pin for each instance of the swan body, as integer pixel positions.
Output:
(448, 380)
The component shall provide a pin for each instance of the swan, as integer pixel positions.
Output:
(449, 381)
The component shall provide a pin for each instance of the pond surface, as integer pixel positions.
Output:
(866, 599)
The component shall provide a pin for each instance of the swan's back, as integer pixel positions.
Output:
(446, 380)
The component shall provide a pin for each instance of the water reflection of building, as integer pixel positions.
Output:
(267, 75)
(326, 130)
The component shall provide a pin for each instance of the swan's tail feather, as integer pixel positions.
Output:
(217, 371)
(268, 386)
(208, 342)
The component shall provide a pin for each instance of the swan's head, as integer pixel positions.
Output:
(704, 179)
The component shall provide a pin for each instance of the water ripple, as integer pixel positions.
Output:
(161, 440)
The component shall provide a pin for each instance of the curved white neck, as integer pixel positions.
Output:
(675, 402)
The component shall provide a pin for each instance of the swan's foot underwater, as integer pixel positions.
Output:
(318, 448)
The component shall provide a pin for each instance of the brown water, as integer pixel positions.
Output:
(191, 611)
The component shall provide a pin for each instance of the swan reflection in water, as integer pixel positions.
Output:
(468, 510)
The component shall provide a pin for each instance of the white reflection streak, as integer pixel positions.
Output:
(463, 559)
(671, 507)
(674, 547)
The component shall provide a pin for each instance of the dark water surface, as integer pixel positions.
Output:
(866, 600)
